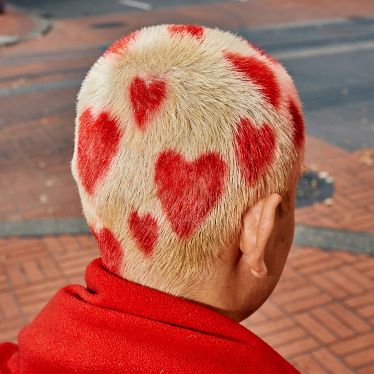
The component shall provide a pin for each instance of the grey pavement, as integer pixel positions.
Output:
(329, 239)
(72, 8)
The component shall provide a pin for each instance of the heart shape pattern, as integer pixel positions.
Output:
(297, 123)
(192, 30)
(110, 250)
(257, 72)
(144, 230)
(98, 141)
(254, 149)
(189, 190)
(147, 95)
(121, 45)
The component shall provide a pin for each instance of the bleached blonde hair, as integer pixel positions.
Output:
(179, 130)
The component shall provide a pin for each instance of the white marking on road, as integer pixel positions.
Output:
(136, 4)
(325, 50)
(293, 25)
(8, 39)
(45, 86)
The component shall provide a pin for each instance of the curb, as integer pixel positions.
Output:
(331, 239)
(41, 27)
(42, 227)
(305, 236)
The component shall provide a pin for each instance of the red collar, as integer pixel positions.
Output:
(112, 292)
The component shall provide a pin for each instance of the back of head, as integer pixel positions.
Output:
(179, 130)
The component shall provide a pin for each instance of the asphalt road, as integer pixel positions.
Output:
(73, 8)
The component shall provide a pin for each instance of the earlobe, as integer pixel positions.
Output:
(258, 224)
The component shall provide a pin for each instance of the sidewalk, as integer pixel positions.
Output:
(321, 315)
(16, 27)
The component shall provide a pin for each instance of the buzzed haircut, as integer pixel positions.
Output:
(179, 130)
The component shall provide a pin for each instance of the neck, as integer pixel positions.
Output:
(231, 291)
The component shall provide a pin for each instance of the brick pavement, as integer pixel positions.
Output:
(321, 315)
(32, 270)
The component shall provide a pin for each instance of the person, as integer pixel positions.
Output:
(189, 143)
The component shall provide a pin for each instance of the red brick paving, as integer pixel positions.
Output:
(32, 270)
(305, 320)
(316, 329)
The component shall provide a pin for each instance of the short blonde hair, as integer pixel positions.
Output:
(179, 130)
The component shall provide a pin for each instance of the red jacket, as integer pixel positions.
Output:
(115, 326)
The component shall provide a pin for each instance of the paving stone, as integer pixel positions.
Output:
(364, 299)
(367, 370)
(350, 318)
(333, 324)
(315, 328)
(282, 338)
(307, 365)
(362, 358)
(329, 361)
(354, 344)
(296, 348)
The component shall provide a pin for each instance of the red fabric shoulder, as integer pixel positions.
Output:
(7, 351)
(115, 326)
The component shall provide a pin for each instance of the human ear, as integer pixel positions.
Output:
(258, 224)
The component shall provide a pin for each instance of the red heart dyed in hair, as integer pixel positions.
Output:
(146, 95)
(297, 123)
(189, 190)
(98, 140)
(257, 72)
(121, 44)
(193, 30)
(254, 149)
(110, 250)
(144, 230)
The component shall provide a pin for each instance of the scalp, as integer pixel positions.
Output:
(179, 128)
